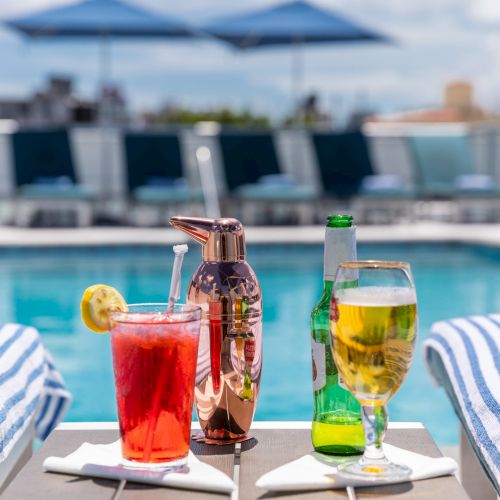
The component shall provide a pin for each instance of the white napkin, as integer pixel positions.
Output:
(319, 472)
(105, 460)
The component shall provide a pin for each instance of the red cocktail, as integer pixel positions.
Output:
(154, 361)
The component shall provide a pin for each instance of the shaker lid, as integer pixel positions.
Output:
(223, 239)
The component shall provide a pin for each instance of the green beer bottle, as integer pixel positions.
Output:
(337, 427)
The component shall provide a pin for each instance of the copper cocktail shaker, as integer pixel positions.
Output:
(230, 349)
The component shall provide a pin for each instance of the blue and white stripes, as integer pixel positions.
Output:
(470, 351)
(30, 386)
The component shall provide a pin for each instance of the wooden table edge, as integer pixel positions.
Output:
(257, 425)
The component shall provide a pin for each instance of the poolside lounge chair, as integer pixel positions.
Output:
(343, 161)
(256, 181)
(155, 173)
(33, 397)
(45, 178)
(445, 168)
(463, 356)
(347, 173)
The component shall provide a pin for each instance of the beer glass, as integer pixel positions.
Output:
(373, 328)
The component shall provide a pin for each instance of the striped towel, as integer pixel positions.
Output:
(31, 389)
(463, 356)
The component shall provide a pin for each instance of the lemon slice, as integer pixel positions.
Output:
(97, 302)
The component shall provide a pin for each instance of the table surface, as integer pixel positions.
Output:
(270, 448)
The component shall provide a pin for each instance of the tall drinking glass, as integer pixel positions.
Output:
(373, 326)
(154, 362)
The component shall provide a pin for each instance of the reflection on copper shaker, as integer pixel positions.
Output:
(226, 288)
(214, 312)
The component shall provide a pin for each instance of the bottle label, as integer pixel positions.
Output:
(318, 365)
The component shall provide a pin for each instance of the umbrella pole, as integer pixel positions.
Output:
(297, 77)
(104, 76)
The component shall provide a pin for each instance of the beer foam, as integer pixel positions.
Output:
(377, 296)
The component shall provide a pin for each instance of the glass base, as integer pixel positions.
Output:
(339, 449)
(375, 470)
(179, 465)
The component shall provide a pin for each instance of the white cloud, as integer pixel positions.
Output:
(486, 10)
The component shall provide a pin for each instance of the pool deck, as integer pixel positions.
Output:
(484, 234)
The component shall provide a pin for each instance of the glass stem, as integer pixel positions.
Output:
(375, 425)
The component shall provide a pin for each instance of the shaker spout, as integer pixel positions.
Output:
(199, 228)
(223, 239)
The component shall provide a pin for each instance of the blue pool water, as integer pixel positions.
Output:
(42, 287)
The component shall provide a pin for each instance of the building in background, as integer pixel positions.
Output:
(112, 106)
(56, 104)
(458, 106)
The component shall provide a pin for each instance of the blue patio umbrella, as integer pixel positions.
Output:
(289, 24)
(91, 18)
(102, 20)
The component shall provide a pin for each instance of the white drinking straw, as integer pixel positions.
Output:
(175, 284)
(174, 294)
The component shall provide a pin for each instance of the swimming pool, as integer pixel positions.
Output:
(42, 287)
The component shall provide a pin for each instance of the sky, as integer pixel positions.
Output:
(436, 41)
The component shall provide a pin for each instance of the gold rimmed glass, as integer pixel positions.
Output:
(373, 325)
